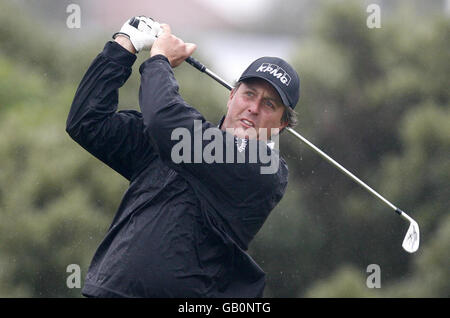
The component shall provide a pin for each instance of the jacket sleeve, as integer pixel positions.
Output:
(116, 138)
(244, 194)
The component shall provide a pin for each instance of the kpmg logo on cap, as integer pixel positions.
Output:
(276, 71)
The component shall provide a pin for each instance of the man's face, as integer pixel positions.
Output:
(254, 105)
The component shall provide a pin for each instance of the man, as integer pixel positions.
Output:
(182, 229)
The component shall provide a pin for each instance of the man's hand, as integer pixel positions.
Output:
(172, 47)
(141, 31)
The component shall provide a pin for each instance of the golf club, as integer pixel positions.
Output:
(412, 237)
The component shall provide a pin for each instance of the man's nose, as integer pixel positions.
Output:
(253, 107)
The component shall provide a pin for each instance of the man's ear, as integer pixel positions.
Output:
(283, 125)
(232, 92)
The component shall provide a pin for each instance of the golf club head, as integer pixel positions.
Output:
(412, 238)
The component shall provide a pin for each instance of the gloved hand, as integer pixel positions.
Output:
(142, 32)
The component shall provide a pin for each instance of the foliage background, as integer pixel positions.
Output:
(376, 100)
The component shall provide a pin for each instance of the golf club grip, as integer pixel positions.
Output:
(196, 64)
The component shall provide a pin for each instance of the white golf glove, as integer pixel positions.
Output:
(142, 32)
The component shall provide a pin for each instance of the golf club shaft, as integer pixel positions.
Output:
(204, 69)
(345, 171)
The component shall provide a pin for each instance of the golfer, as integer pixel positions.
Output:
(182, 228)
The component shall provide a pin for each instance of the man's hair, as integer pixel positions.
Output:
(289, 115)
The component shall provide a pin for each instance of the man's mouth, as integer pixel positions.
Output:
(247, 123)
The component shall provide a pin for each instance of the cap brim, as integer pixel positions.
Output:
(283, 96)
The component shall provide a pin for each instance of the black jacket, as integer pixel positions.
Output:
(182, 229)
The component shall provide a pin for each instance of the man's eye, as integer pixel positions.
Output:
(270, 104)
(249, 93)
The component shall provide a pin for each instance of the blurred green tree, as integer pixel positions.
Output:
(56, 200)
(376, 100)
